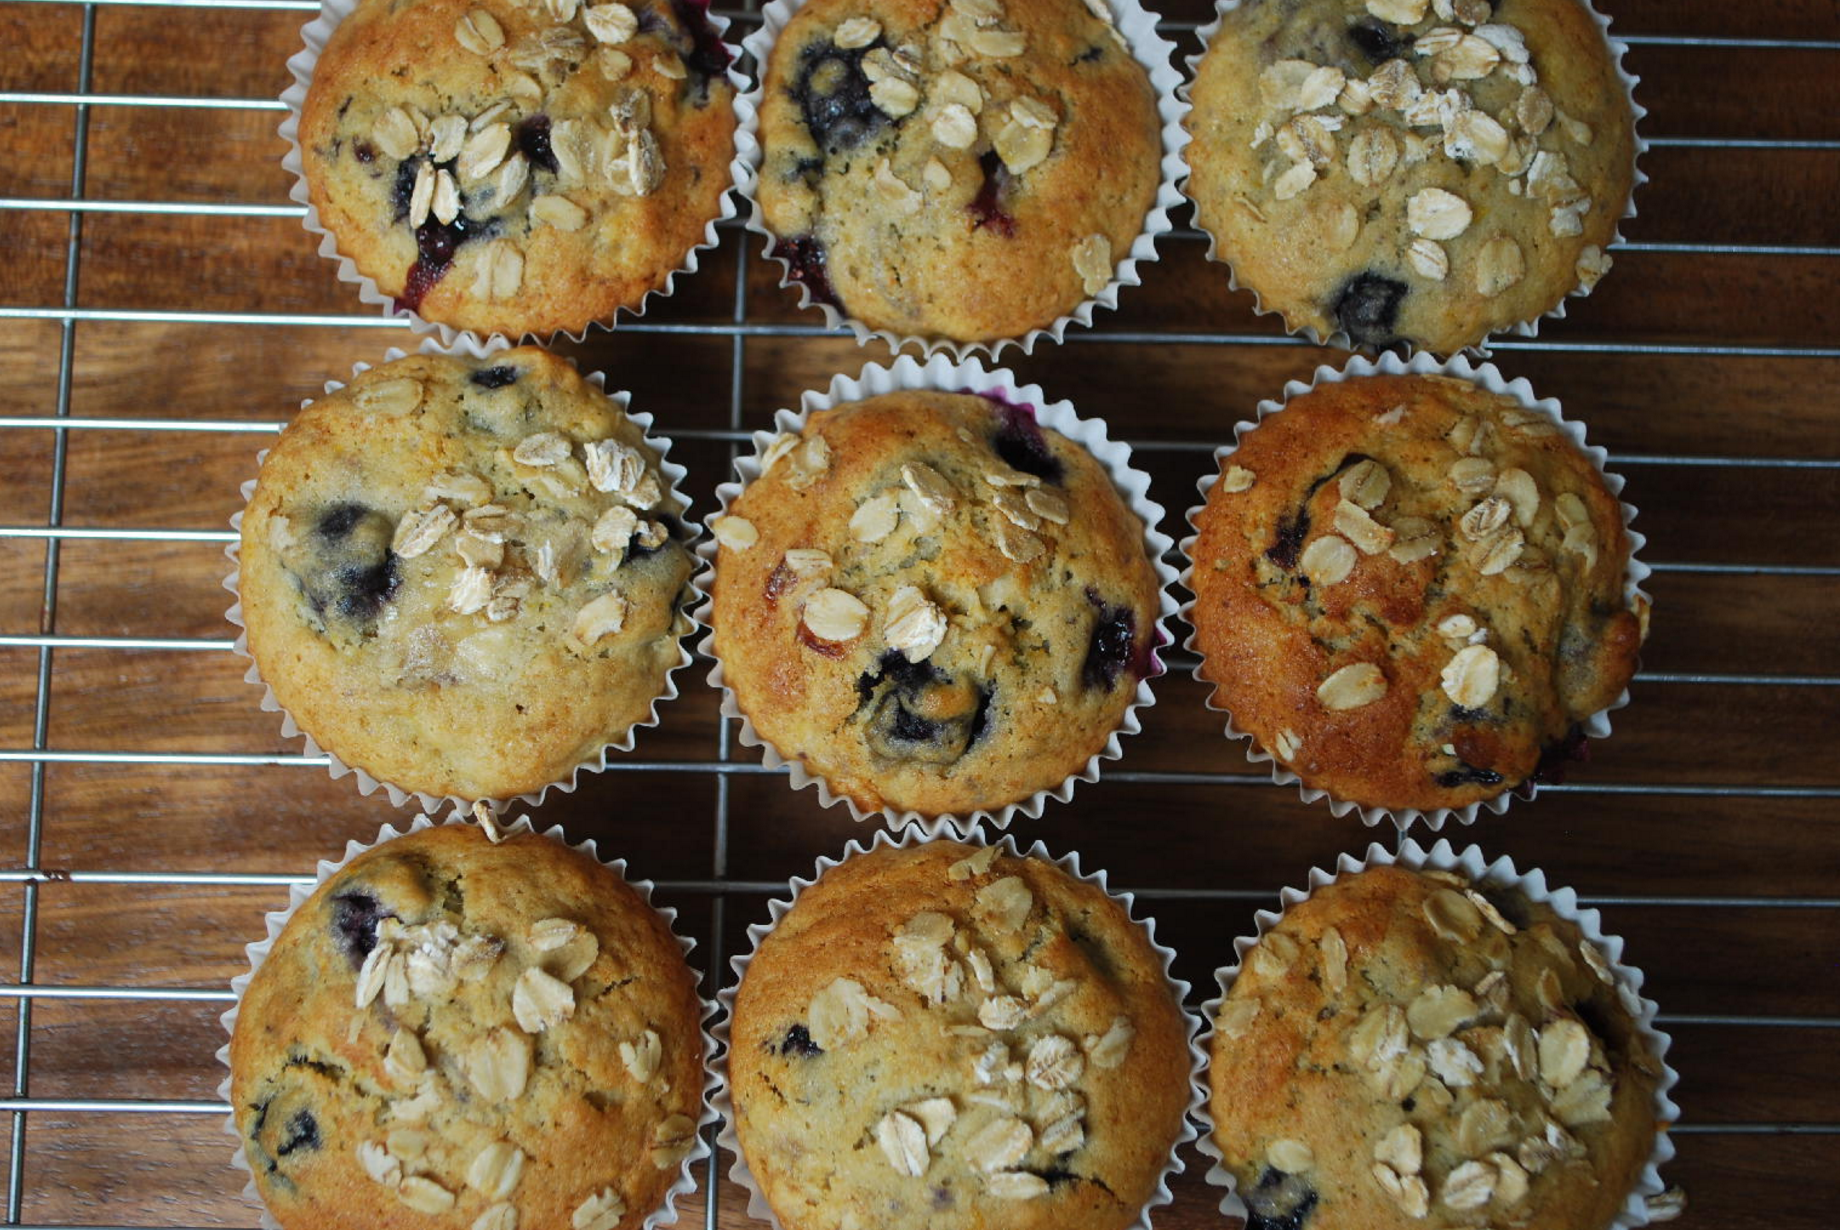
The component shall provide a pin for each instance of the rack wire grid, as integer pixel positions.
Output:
(719, 885)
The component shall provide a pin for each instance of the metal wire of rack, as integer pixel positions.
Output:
(719, 885)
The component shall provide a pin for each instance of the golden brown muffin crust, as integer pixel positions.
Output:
(1424, 643)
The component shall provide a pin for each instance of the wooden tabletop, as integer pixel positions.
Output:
(1707, 363)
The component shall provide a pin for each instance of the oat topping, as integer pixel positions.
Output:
(1352, 687)
(1328, 560)
(834, 615)
(600, 1211)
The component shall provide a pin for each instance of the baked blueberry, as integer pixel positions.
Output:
(301, 1132)
(702, 49)
(798, 1042)
(1378, 41)
(920, 713)
(355, 916)
(1019, 441)
(1113, 645)
(987, 206)
(832, 93)
(1279, 1202)
(1367, 309)
(805, 256)
(495, 377)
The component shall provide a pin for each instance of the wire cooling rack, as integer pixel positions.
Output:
(739, 330)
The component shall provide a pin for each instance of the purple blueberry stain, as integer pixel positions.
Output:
(987, 206)
(704, 53)
(806, 264)
(1557, 758)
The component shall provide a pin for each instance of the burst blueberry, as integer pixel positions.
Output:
(495, 377)
(355, 916)
(987, 206)
(1378, 41)
(833, 95)
(804, 254)
(1020, 442)
(1367, 309)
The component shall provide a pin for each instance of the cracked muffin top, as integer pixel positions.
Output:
(1411, 171)
(465, 576)
(455, 1033)
(1408, 1050)
(953, 1038)
(907, 142)
(1411, 591)
(519, 166)
(933, 603)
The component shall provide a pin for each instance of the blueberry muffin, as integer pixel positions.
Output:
(908, 142)
(519, 168)
(465, 576)
(1411, 591)
(1403, 1050)
(952, 1038)
(1420, 172)
(933, 603)
(452, 1033)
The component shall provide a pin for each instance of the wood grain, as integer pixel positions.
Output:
(1202, 856)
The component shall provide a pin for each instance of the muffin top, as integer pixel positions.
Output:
(933, 603)
(519, 168)
(908, 141)
(1418, 171)
(1410, 590)
(954, 1038)
(460, 1034)
(1403, 1050)
(464, 575)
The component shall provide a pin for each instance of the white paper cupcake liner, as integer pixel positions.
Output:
(1156, 53)
(1486, 375)
(675, 501)
(913, 835)
(298, 894)
(1501, 873)
(1525, 328)
(315, 35)
(965, 376)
